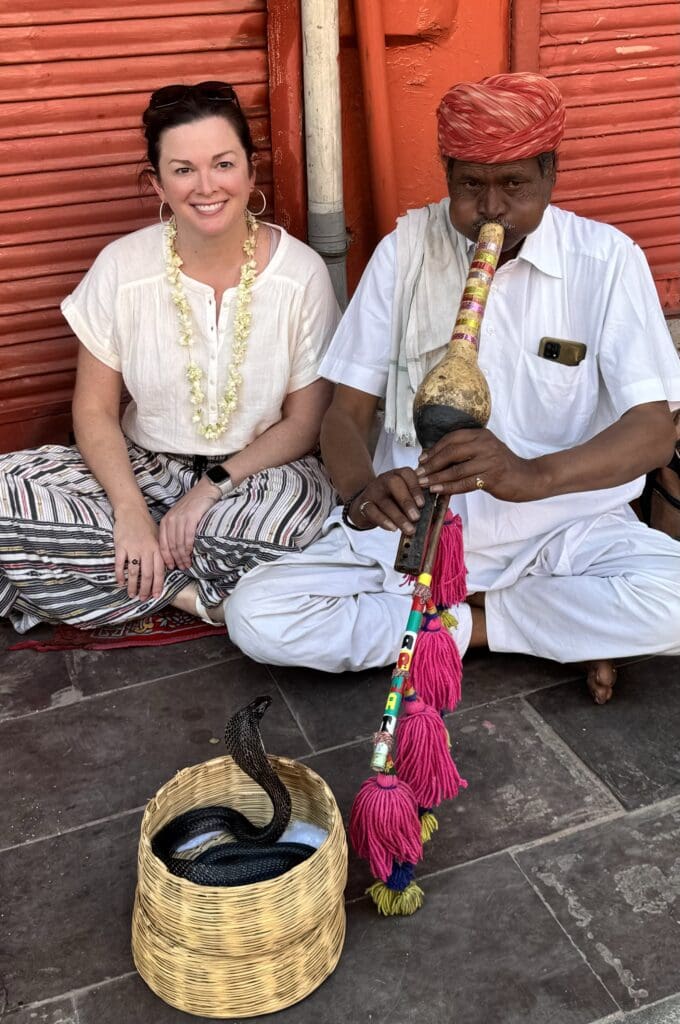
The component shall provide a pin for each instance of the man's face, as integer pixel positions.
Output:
(514, 194)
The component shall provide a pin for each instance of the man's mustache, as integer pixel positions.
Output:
(505, 224)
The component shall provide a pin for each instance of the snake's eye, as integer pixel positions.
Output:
(260, 705)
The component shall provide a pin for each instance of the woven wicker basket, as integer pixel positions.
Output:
(250, 949)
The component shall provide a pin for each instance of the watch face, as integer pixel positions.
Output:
(218, 474)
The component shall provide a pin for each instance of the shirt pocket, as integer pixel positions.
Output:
(551, 404)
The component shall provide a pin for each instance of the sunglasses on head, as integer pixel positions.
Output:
(169, 95)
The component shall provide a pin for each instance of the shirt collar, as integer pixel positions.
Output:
(540, 247)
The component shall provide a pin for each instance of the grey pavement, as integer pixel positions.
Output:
(552, 888)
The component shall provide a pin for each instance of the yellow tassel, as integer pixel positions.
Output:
(428, 826)
(449, 619)
(391, 903)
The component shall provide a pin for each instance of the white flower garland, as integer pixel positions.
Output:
(229, 400)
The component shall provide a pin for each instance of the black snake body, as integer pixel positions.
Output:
(255, 855)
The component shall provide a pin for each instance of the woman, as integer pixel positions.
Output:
(215, 325)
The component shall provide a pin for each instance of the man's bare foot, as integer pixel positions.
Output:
(600, 680)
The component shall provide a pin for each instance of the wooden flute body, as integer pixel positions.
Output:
(454, 394)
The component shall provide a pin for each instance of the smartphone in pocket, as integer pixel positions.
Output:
(559, 350)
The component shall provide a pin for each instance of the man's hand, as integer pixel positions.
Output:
(392, 500)
(139, 565)
(178, 526)
(465, 459)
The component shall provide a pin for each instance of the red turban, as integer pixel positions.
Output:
(501, 118)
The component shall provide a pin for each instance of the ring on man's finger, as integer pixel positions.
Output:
(363, 506)
(479, 483)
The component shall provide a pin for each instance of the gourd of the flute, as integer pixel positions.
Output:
(452, 395)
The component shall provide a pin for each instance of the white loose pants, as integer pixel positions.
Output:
(602, 587)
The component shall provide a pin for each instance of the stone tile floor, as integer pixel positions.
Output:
(552, 886)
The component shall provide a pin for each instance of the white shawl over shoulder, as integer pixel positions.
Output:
(432, 267)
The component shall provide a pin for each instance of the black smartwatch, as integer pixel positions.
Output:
(219, 476)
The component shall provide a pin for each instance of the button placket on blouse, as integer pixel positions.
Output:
(211, 374)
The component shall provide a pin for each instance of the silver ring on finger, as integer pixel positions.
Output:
(363, 506)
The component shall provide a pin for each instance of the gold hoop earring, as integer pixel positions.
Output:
(264, 203)
(160, 213)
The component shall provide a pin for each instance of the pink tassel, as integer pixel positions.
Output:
(436, 669)
(384, 825)
(423, 759)
(449, 575)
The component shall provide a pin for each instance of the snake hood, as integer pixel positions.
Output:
(243, 741)
(244, 727)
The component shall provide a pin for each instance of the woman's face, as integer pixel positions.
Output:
(205, 178)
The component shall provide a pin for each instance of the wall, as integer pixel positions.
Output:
(618, 68)
(430, 45)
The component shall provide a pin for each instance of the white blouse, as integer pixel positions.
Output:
(122, 311)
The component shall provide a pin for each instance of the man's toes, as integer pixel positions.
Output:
(601, 678)
(601, 694)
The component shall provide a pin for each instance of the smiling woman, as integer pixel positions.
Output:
(216, 324)
(212, 188)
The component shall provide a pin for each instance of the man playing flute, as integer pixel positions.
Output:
(581, 369)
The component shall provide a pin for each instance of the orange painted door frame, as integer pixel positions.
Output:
(284, 50)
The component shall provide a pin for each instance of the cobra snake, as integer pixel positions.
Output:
(255, 855)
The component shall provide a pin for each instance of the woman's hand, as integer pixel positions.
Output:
(467, 460)
(178, 526)
(135, 541)
(392, 500)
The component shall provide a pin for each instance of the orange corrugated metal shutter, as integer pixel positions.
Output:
(618, 67)
(74, 80)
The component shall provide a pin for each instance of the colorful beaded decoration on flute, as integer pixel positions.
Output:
(392, 814)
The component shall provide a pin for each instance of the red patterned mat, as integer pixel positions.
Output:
(169, 626)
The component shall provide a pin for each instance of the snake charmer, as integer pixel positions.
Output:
(583, 375)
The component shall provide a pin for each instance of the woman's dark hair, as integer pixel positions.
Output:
(172, 105)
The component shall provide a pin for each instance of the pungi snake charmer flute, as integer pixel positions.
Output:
(454, 394)
(385, 826)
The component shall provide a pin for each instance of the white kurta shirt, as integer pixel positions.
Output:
(574, 279)
(122, 311)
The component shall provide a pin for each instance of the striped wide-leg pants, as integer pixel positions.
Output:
(56, 533)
